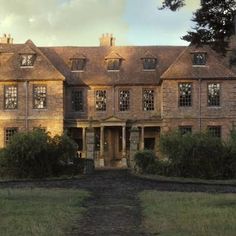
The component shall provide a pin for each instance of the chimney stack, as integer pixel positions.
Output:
(6, 39)
(107, 40)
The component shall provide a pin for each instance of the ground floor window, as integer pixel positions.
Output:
(185, 130)
(214, 131)
(9, 132)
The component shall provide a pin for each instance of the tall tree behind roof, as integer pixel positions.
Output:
(215, 22)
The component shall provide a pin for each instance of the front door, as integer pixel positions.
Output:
(113, 138)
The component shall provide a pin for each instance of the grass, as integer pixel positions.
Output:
(40, 212)
(188, 180)
(189, 214)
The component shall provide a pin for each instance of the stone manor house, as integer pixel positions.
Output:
(121, 98)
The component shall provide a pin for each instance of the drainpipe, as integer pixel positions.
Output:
(26, 105)
(200, 105)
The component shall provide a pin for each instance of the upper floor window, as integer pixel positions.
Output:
(199, 58)
(39, 96)
(214, 131)
(77, 100)
(113, 64)
(124, 100)
(149, 63)
(78, 64)
(213, 94)
(101, 100)
(27, 60)
(9, 132)
(148, 100)
(10, 97)
(185, 94)
(185, 130)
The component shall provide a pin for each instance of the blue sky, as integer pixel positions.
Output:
(82, 22)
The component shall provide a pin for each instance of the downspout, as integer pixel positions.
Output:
(200, 105)
(26, 105)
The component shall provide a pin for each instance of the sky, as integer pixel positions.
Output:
(82, 22)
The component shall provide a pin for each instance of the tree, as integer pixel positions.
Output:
(214, 22)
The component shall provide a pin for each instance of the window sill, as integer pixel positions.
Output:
(26, 67)
(74, 71)
(149, 70)
(113, 70)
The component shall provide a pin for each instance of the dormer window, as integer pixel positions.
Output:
(113, 61)
(27, 60)
(78, 64)
(199, 58)
(149, 63)
(113, 64)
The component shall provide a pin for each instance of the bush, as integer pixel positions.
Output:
(145, 161)
(35, 154)
(199, 155)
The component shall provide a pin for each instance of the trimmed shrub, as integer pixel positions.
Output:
(145, 162)
(198, 155)
(35, 154)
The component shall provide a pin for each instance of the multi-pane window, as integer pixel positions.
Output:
(77, 100)
(39, 96)
(27, 59)
(149, 63)
(10, 97)
(101, 100)
(199, 58)
(113, 64)
(78, 64)
(124, 100)
(185, 94)
(185, 129)
(148, 100)
(214, 94)
(214, 131)
(9, 132)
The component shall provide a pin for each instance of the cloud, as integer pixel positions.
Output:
(63, 22)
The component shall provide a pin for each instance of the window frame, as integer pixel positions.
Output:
(77, 64)
(152, 103)
(7, 138)
(34, 97)
(5, 98)
(210, 132)
(149, 69)
(102, 102)
(27, 65)
(219, 99)
(129, 99)
(115, 69)
(185, 104)
(195, 61)
(82, 102)
(188, 129)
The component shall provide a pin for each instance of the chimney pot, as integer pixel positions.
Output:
(107, 40)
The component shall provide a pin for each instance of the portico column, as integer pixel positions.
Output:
(142, 138)
(123, 141)
(101, 141)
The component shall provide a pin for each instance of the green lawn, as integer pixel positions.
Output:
(189, 214)
(39, 212)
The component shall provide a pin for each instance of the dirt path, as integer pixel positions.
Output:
(113, 208)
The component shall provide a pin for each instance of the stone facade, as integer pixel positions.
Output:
(115, 100)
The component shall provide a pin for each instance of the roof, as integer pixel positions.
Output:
(10, 68)
(95, 73)
(182, 68)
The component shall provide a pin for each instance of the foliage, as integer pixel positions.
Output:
(214, 22)
(199, 155)
(36, 154)
(145, 161)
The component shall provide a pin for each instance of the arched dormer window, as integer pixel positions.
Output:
(78, 62)
(149, 62)
(113, 62)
